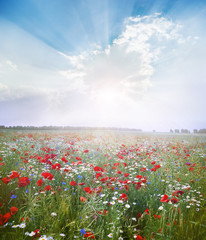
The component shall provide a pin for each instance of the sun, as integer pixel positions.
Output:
(106, 98)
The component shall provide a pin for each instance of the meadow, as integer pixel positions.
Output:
(102, 185)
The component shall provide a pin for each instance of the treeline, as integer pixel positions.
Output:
(187, 131)
(67, 128)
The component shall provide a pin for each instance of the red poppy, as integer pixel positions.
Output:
(40, 182)
(88, 190)
(14, 210)
(86, 151)
(80, 184)
(73, 183)
(4, 218)
(24, 181)
(174, 200)
(48, 188)
(98, 169)
(164, 199)
(89, 235)
(47, 175)
(64, 159)
(104, 212)
(14, 175)
(147, 211)
(126, 174)
(157, 166)
(139, 237)
(123, 196)
(83, 199)
(6, 180)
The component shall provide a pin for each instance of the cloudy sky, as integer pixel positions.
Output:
(108, 63)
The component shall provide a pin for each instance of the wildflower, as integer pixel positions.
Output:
(47, 175)
(40, 182)
(24, 181)
(31, 234)
(147, 211)
(53, 214)
(6, 180)
(83, 199)
(13, 196)
(44, 237)
(15, 226)
(22, 225)
(127, 206)
(174, 200)
(89, 235)
(82, 231)
(73, 183)
(4, 218)
(164, 198)
(110, 235)
(14, 210)
(88, 190)
(62, 234)
(139, 237)
(160, 208)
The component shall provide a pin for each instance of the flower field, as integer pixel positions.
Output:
(102, 185)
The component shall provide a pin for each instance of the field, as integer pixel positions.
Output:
(102, 185)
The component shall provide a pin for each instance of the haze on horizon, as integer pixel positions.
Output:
(130, 64)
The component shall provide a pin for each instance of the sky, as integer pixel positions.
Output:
(103, 63)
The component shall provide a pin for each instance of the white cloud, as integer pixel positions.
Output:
(127, 65)
(11, 64)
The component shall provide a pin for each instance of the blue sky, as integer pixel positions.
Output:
(103, 63)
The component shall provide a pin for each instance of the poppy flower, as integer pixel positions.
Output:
(98, 169)
(47, 175)
(174, 200)
(48, 188)
(164, 199)
(88, 190)
(4, 218)
(40, 182)
(80, 184)
(24, 181)
(89, 235)
(64, 159)
(14, 175)
(123, 196)
(139, 237)
(73, 183)
(6, 180)
(147, 211)
(83, 199)
(126, 174)
(14, 210)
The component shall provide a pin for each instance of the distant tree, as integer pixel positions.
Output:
(195, 131)
(202, 130)
(171, 131)
(185, 131)
(177, 131)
